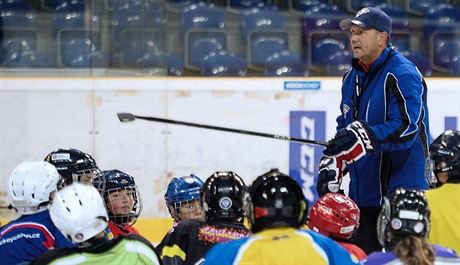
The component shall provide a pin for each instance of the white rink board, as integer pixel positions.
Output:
(38, 115)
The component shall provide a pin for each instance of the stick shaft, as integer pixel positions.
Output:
(225, 129)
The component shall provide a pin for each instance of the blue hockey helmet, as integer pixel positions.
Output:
(180, 190)
(116, 180)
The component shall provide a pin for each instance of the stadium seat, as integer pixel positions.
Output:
(354, 5)
(441, 18)
(176, 6)
(420, 7)
(444, 51)
(17, 15)
(200, 43)
(323, 48)
(261, 20)
(263, 44)
(319, 23)
(304, 5)
(202, 16)
(422, 62)
(246, 4)
(71, 15)
(223, 63)
(399, 17)
(139, 45)
(338, 63)
(30, 59)
(285, 63)
(80, 49)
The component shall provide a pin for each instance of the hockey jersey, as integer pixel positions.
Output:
(280, 246)
(125, 249)
(28, 237)
(117, 230)
(443, 256)
(190, 240)
(354, 250)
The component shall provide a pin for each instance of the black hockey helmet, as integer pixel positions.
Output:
(73, 164)
(116, 180)
(405, 213)
(278, 201)
(445, 153)
(225, 197)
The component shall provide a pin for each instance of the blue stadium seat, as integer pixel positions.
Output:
(200, 43)
(17, 14)
(444, 51)
(441, 18)
(285, 63)
(80, 49)
(69, 5)
(319, 23)
(223, 63)
(304, 5)
(30, 59)
(16, 42)
(422, 62)
(324, 48)
(202, 16)
(176, 6)
(245, 4)
(421, 7)
(339, 63)
(399, 17)
(261, 20)
(139, 46)
(263, 44)
(354, 5)
(71, 15)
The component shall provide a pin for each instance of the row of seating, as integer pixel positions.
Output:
(137, 30)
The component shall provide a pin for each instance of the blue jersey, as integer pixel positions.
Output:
(28, 237)
(280, 246)
(443, 256)
(391, 97)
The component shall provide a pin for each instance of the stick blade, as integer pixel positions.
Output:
(125, 117)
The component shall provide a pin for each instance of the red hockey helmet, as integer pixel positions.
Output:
(334, 215)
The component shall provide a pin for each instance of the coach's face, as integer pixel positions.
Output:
(367, 44)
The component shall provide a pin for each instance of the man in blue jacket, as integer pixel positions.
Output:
(382, 132)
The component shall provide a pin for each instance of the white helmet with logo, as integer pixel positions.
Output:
(30, 186)
(79, 212)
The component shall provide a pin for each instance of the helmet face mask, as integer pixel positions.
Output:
(121, 196)
(405, 213)
(74, 165)
(334, 215)
(183, 198)
(277, 201)
(445, 154)
(224, 197)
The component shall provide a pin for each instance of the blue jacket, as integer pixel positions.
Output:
(391, 98)
(28, 237)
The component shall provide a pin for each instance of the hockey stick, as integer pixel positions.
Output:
(127, 117)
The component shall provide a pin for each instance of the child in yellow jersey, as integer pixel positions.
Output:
(444, 201)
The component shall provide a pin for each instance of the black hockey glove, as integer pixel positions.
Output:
(331, 171)
(351, 143)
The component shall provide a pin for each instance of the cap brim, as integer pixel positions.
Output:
(346, 24)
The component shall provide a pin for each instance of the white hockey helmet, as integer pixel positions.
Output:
(79, 212)
(30, 186)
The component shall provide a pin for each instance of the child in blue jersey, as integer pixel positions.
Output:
(279, 210)
(402, 229)
(31, 187)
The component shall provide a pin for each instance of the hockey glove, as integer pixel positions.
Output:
(331, 171)
(351, 143)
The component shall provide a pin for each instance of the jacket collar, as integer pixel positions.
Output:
(361, 66)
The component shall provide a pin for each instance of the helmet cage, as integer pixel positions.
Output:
(406, 214)
(445, 155)
(125, 219)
